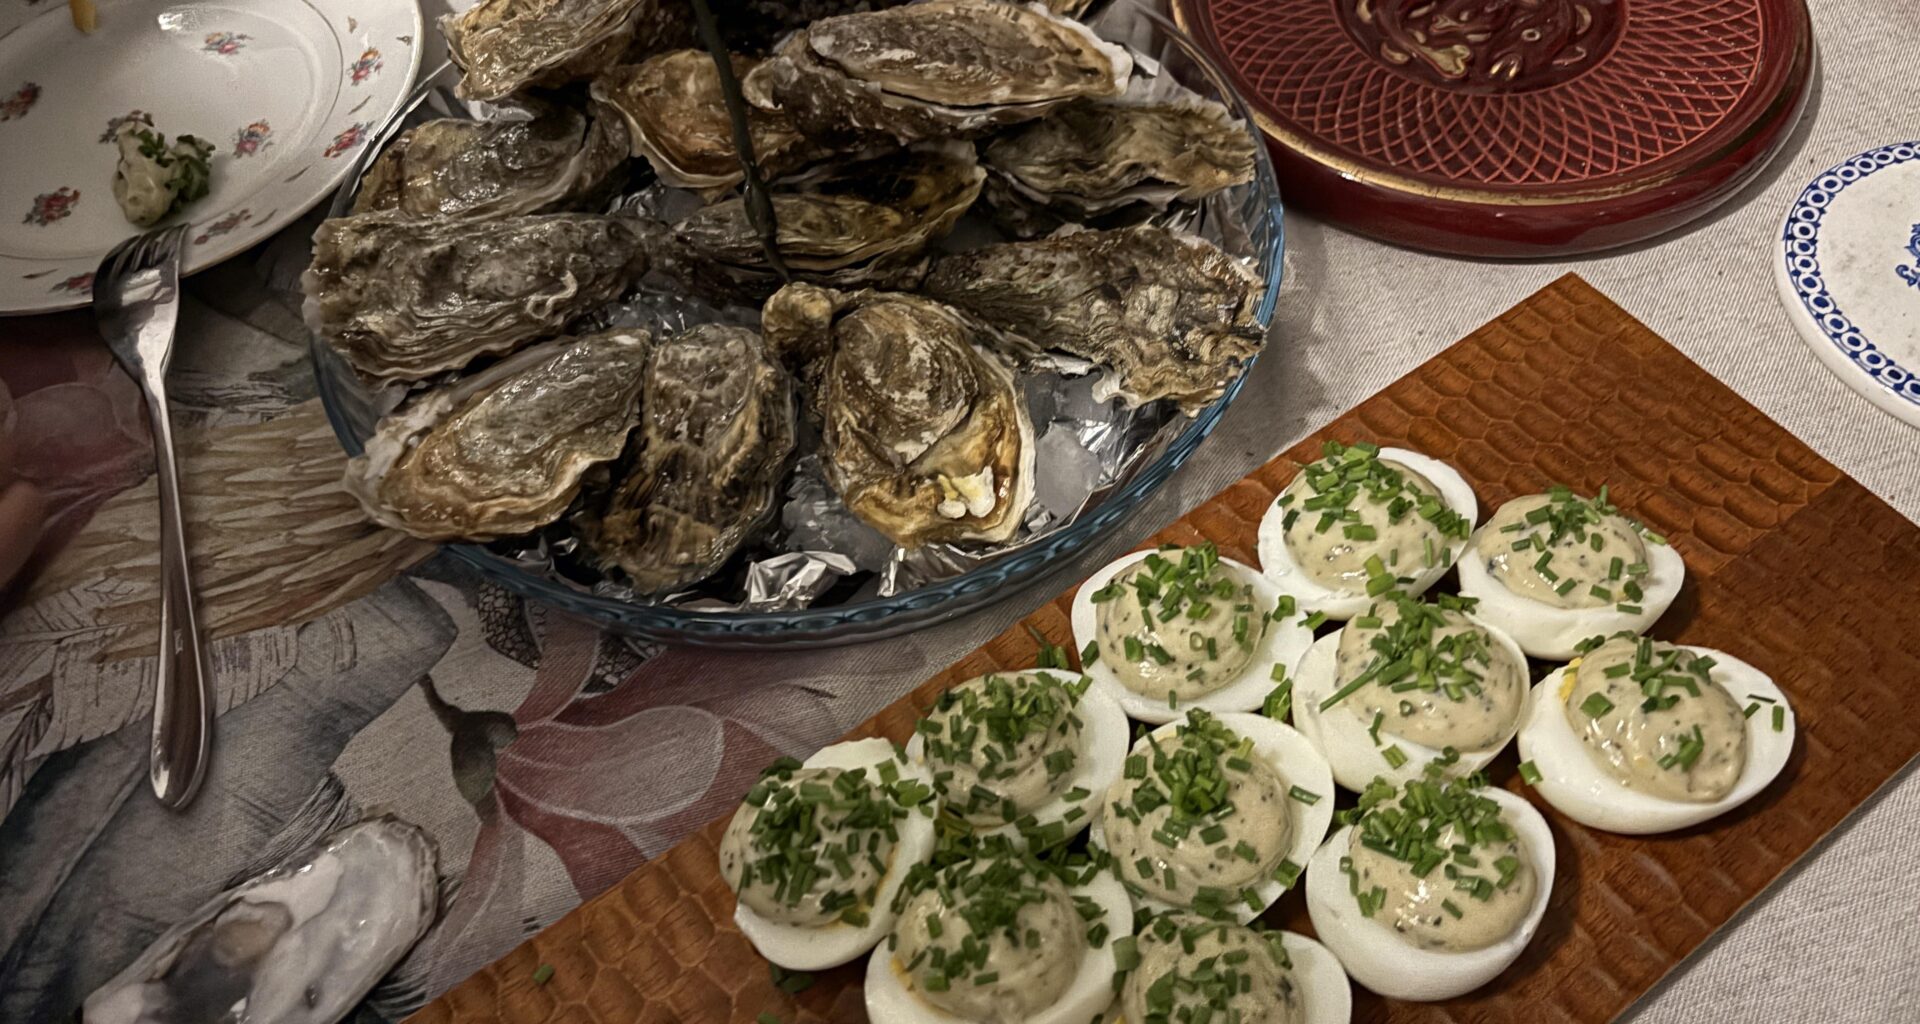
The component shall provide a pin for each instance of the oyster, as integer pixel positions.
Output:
(506, 45)
(300, 944)
(677, 120)
(1088, 158)
(404, 299)
(936, 69)
(886, 207)
(925, 435)
(1166, 314)
(502, 452)
(554, 158)
(716, 430)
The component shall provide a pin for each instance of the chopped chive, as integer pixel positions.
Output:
(1395, 757)
(1530, 772)
(1286, 873)
(1779, 718)
(1596, 705)
(1305, 796)
(543, 974)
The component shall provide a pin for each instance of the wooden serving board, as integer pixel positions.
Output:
(1791, 565)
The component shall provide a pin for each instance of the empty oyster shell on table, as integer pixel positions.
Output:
(404, 299)
(678, 122)
(504, 451)
(936, 69)
(301, 944)
(716, 433)
(554, 157)
(925, 434)
(504, 46)
(1166, 314)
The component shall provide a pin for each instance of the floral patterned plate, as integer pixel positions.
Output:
(287, 90)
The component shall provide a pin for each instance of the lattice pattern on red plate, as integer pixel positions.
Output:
(1673, 76)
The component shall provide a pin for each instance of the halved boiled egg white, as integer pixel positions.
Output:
(891, 998)
(1326, 996)
(1579, 787)
(1322, 981)
(1297, 763)
(1346, 741)
(1377, 957)
(1280, 645)
(1278, 564)
(1098, 761)
(800, 948)
(1545, 631)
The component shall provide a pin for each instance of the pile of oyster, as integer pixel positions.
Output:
(978, 281)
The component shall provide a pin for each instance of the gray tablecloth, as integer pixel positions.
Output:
(548, 762)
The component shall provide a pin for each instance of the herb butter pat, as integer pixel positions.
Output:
(152, 178)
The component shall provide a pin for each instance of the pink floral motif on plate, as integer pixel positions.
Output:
(76, 283)
(252, 139)
(364, 68)
(114, 123)
(52, 206)
(223, 225)
(351, 136)
(21, 101)
(226, 44)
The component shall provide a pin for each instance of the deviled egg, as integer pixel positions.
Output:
(1023, 752)
(1554, 569)
(1187, 968)
(1000, 938)
(817, 851)
(1216, 814)
(1165, 631)
(1640, 736)
(1404, 683)
(1361, 519)
(1436, 887)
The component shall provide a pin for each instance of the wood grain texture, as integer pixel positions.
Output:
(1791, 565)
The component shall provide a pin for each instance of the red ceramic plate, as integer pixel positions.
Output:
(1513, 127)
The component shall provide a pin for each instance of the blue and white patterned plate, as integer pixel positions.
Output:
(1849, 274)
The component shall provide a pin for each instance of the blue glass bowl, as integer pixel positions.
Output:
(353, 409)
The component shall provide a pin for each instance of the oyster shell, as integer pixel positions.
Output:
(889, 206)
(554, 158)
(925, 435)
(936, 69)
(1088, 158)
(677, 120)
(506, 45)
(503, 452)
(404, 299)
(301, 944)
(716, 430)
(1166, 314)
